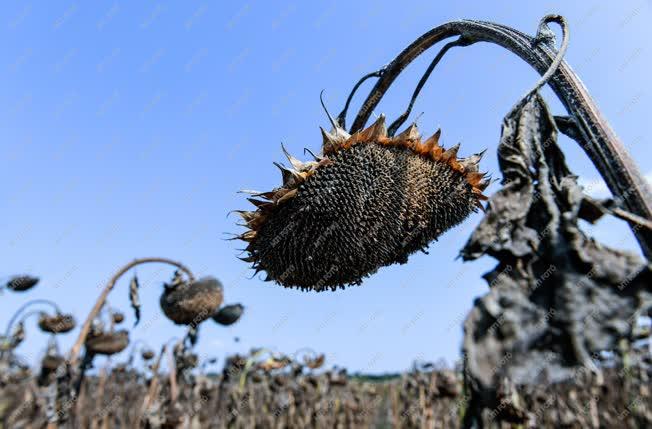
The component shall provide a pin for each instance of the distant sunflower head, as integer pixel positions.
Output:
(190, 303)
(21, 283)
(56, 324)
(107, 343)
(147, 354)
(229, 314)
(369, 200)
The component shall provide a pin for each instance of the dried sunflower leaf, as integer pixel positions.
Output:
(536, 323)
(134, 299)
(193, 335)
(528, 139)
(18, 335)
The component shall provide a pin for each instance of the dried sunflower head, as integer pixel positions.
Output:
(229, 314)
(368, 201)
(256, 377)
(107, 343)
(186, 360)
(49, 365)
(191, 303)
(117, 317)
(57, 324)
(147, 354)
(51, 362)
(315, 362)
(22, 283)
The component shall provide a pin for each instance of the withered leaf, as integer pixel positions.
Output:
(134, 299)
(557, 297)
(193, 335)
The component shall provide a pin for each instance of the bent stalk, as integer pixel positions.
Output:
(590, 129)
(74, 352)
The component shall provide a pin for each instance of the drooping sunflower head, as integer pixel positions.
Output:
(107, 343)
(56, 324)
(190, 303)
(21, 283)
(229, 314)
(369, 200)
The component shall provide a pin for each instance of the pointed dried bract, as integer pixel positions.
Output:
(433, 140)
(376, 131)
(296, 164)
(470, 164)
(410, 133)
(370, 201)
(450, 154)
(333, 140)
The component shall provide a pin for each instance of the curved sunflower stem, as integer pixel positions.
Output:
(593, 133)
(29, 314)
(341, 118)
(17, 315)
(401, 119)
(76, 348)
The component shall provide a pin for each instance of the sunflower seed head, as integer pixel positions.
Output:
(371, 201)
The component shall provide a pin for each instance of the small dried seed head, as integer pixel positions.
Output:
(229, 314)
(186, 360)
(107, 343)
(315, 362)
(22, 283)
(118, 317)
(49, 365)
(51, 362)
(192, 303)
(369, 201)
(57, 324)
(147, 354)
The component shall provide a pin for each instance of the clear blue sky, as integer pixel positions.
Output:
(128, 127)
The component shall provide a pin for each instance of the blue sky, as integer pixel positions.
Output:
(128, 127)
